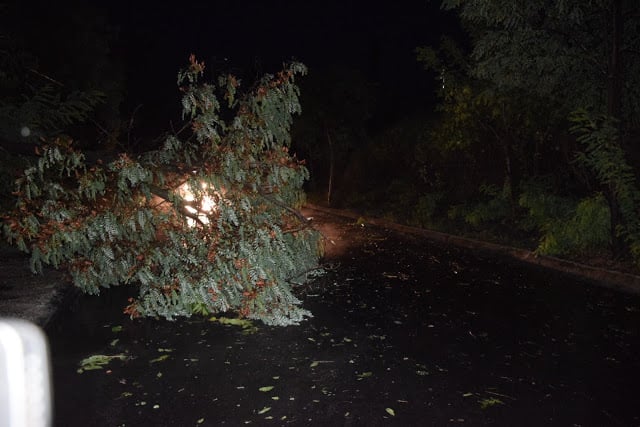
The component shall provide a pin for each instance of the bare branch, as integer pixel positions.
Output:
(289, 209)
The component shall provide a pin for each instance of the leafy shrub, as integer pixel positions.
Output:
(604, 156)
(495, 208)
(424, 213)
(567, 226)
(542, 206)
(586, 231)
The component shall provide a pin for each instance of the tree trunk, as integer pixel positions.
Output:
(331, 166)
(614, 106)
(509, 178)
(615, 69)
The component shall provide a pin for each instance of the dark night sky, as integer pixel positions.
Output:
(377, 38)
(354, 32)
(252, 37)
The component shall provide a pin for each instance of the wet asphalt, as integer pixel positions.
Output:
(405, 332)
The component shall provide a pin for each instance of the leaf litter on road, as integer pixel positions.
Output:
(98, 361)
(337, 329)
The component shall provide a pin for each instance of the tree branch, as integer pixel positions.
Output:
(289, 209)
(182, 204)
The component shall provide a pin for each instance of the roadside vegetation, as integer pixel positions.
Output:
(533, 143)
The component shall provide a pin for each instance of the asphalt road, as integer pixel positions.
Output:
(24, 295)
(406, 331)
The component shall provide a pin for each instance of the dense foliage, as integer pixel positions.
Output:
(203, 225)
(42, 96)
(603, 155)
(551, 90)
(534, 140)
(551, 61)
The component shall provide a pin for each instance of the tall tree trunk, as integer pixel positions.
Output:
(614, 106)
(509, 176)
(615, 68)
(331, 166)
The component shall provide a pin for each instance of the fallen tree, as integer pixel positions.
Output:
(203, 225)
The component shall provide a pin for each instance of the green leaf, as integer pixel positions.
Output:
(98, 361)
(244, 323)
(266, 388)
(159, 359)
(264, 410)
(489, 402)
(390, 412)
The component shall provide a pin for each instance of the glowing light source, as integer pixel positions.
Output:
(207, 204)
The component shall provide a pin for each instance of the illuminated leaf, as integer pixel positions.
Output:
(492, 401)
(98, 361)
(159, 359)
